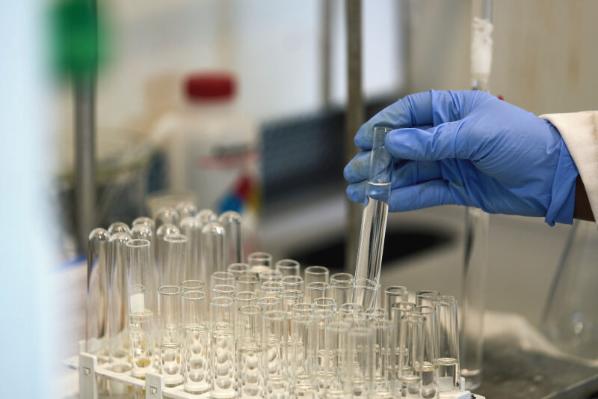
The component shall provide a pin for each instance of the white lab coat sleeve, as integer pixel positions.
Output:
(580, 132)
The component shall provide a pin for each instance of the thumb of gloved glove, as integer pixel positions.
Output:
(469, 148)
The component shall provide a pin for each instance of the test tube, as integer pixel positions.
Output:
(196, 342)
(169, 308)
(96, 318)
(321, 318)
(222, 278)
(144, 220)
(374, 314)
(288, 267)
(375, 214)
(271, 289)
(243, 298)
(322, 303)
(313, 274)
(349, 312)
(118, 303)
(142, 291)
(212, 248)
(269, 303)
(206, 216)
(270, 275)
(238, 269)
(160, 245)
(259, 262)
(398, 312)
(301, 355)
(341, 287)
(394, 294)
(429, 343)
(247, 282)
(118, 227)
(233, 251)
(475, 266)
(167, 215)
(316, 289)
(335, 368)
(365, 292)
(447, 361)
(175, 258)
(360, 355)
(186, 209)
(292, 283)
(142, 232)
(249, 352)
(193, 285)
(383, 352)
(274, 343)
(191, 228)
(223, 290)
(411, 340)
(223, 363)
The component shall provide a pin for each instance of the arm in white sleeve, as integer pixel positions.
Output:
(580, 132)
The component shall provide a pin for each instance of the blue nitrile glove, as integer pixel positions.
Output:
(470, 148)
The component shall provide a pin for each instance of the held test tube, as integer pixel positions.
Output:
(477, 222)
(374, 216)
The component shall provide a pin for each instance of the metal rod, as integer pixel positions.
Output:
(85, 135)
(326, 49)
(354, 116)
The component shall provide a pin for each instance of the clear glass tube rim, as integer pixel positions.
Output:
(169, 290)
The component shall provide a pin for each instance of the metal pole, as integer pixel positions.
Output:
(354, 117)
(85, 185)
(326, 49)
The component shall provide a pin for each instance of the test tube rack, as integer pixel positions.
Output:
(90, 371)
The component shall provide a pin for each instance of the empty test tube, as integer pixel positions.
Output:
(222, 278)
(191, 228)
(394, 294)
(288, 267)
(212, 248)
(249, 351)
(259, 262)
(341, 288)
(360, 355)
(271, 289)
(237, 269)
(382, 383)
(167, 215)
(96, 318)
(196, 342)
(222, 355)
(316, 289)
(375, 214)
(335, 367)
(174, 259)
(411, 340)
(429, 348)
(313, 274)
(118, 303)
(186, 209)
(233, 251)
(292, 283)
(247, 282)
(118, 227)
(274, 342)
(270, 275)
(301, 357)
(169, 308)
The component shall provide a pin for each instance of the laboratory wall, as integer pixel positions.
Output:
(545, 56)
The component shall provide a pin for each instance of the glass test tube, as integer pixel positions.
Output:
(186, 209)
(247, 282)
(169, 308)
(233, 251)
(270, 275)
(118, 303)
(193, 285)
(174, 259)
(292, 283)
(429, 344)
(223, 290)
(243, 298)
(411, 340)
(222, 362)
(196, 342)
(323, 303)
(315, 290)
(212, 248)
(375, 214)
(288, 267)
(142, 232)
(274, 343)
(395, 294)
(96, 316)
(259, 262)
(321, 318)
(142, 303)
(271, 288)
(118, 227)
(222, 278)
(426, 297)
(475, 265)
(269, 303)
(341, 288)
(398, 312)
(301, 359)
(335, 367)
(250, 378)
(238, 269)
(447, 361)
(360, 355)
(167, 215)
(144, 220)
(349, 312)
(159, 247)
(365, 292)
(313, 274)
(206, 216)
(383, 378)
(191, 228)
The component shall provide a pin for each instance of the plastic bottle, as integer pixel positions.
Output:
(209, 145)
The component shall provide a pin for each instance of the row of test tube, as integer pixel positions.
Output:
(258, 328)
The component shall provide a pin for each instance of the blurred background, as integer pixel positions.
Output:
(240, 105)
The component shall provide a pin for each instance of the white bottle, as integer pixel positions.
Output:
(209, 146)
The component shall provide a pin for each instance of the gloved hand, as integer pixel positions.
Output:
(469, 148)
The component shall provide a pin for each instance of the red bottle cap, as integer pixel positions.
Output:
(217, 86)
